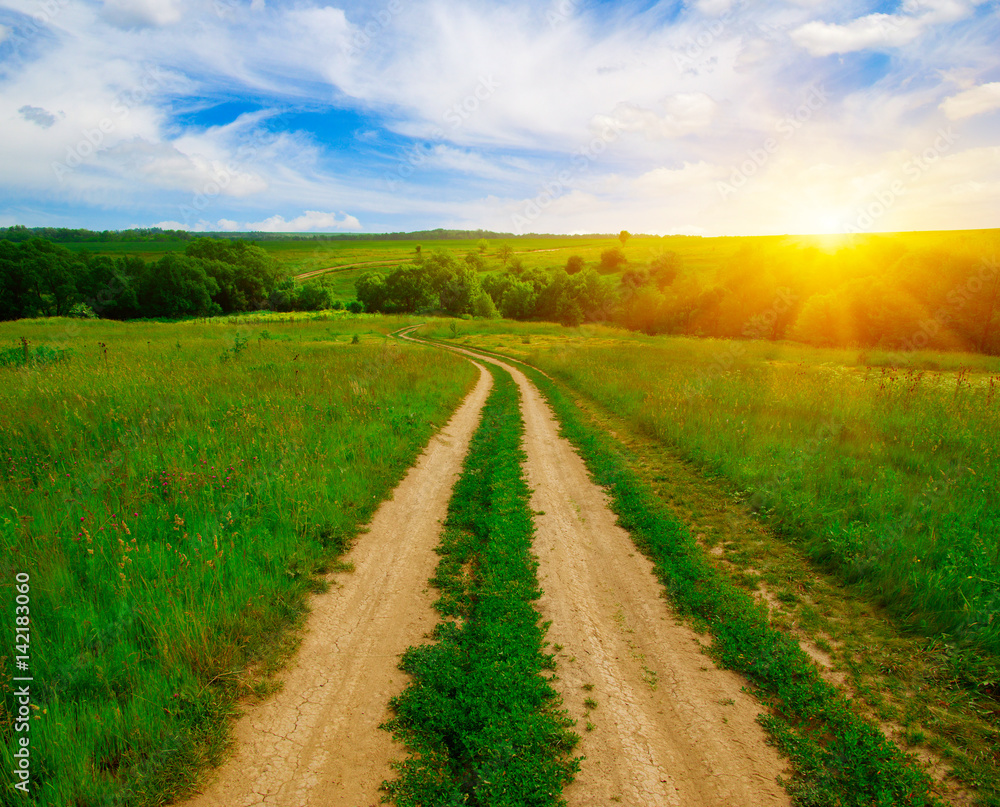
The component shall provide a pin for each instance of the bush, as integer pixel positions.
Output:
(613, 259)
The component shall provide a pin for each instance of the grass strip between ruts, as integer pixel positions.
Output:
(838, 757)
(481, 721)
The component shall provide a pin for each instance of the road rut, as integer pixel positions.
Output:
(670, 728)
(317, 741)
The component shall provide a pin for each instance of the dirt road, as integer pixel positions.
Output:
(669, 727)
(317, 741)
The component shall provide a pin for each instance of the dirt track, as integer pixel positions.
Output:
(668, 729)
(317, 741)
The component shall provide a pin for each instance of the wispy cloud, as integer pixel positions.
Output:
(975, 101)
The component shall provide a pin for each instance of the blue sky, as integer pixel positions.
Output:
(711, 117)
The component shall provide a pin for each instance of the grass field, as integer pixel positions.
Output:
(883, 472)
(173, 492)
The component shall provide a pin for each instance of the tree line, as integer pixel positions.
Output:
(871, 292)
(439, 282)
(39, 278)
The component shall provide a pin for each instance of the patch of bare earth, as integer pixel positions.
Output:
(317, 741)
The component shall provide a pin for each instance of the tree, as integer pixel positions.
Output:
(518, 301)
(483, 306)
(574, 264)
(459, 292)
(371, 291)
(408, 289)
(664, 268)
(245, 273)
(624, 236)
(613, 259)
(474, 260)
(177, 286)
(505, 252)
(483, 245)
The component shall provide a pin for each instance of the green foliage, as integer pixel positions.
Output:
(40, 278)
(174, 512)
(245, 274)
(574, 264)
(613, 259)
(480, 719)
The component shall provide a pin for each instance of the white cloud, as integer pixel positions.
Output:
(984, 98)
(139, 13)
(310, 220)
(684, 113)
(880, 30)
(687, 99)
(4, 32)
(873, 31)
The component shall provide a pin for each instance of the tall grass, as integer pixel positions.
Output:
(886, 473)
(173, 492)
(889, 476)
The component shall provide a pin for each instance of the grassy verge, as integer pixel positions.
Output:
(839, 758)
(481, 721)
(173, 492)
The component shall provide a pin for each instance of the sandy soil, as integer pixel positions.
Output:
(317, 741)
(669, 727)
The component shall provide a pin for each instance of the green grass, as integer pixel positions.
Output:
(880, 471)
(175, 492)
(481, 721)
(839, 758)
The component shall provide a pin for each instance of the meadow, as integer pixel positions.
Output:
(175, 492)
(879, 466)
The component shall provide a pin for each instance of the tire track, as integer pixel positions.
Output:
(317, 741)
